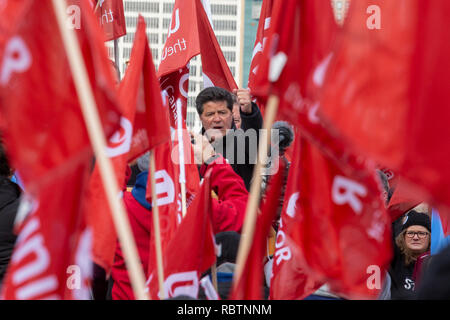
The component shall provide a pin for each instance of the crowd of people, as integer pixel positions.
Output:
(413, 273)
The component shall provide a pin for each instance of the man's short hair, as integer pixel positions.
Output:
(214, 94)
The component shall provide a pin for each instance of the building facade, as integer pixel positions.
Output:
(226, 19)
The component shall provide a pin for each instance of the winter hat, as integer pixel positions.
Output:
(414, 218)
(143, 161)
(286, 134)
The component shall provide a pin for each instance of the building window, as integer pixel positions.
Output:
(226, 25)
(167, 7)
(224, 9)
(153, 38)
(141, 6)
(193, 70)
(230, 56)
(226, 41)
(166, 23)
(155, 53)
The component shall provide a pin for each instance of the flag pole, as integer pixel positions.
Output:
(181, 158)
(116, 58)
(242, 43)
(97, 5)
(98, 140)
(214, 276)
(156, 227)
(255, 189)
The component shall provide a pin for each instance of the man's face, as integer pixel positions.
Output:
(216, 117)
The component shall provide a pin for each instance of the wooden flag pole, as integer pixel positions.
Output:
(98, 140)
(255, 189)
(156, 227)
(182, 178)
(242, 43)
(97, 6)
(214, 276)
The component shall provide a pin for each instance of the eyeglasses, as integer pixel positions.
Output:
(420, 234)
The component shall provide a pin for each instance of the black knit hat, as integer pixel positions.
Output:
(414, 218)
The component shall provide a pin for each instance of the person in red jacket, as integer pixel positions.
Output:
(227, 214)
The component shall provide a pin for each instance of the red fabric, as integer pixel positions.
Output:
(214, 65)
(228, 211)
(226, 214)
(182, 39)
(181, 45)
(290, 279)
(344, 228)
(303, 33)
(250, 284)
(52, 107)
(417, 272)
(403, 199)
(174, 88)
(377, 78)
(190, 251)
(129, 142)
(152, 116)
(260, 43)
(140, 222)
(48, 144)
(111, 17)
(168, 193)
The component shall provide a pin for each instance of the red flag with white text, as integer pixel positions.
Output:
(375, 96)
(111, 16)
(250, 284)
(261, 39)
(49, 145)
(214, 66)
(290, 279)
(130, 141)
(191, 250)
(295, 61)
(344, 227)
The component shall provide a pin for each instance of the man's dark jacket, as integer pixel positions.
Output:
(9, 203)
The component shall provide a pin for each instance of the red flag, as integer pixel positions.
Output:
(295, 55)
(191, 34)
(49, 145)
(290, 279)
(379, 102)
(182, 38)
(191, 250)
(403, 199)
(296, 58)
(181, 45)
(344, 230)
(260, 43)
(53, 243)
(174, 88)
(250, 285)
(22, 56)
(152, 120)
(111, 16)
(214, 66)
(138, 94)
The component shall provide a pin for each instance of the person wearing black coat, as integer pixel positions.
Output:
(9, 203)
(239, 146)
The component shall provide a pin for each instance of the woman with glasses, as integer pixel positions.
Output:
(411, 247)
